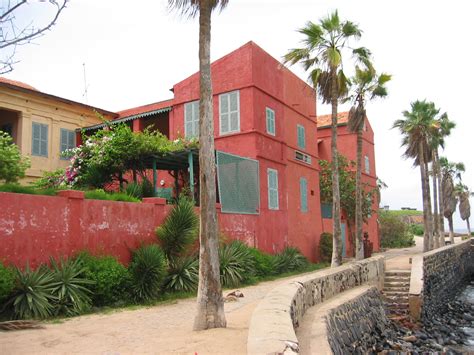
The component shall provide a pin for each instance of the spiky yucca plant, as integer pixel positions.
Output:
(179, 229)
(236, 263)
(290, 259)
(33, 296)
(147, 270)
(183, 275)
(71, 287)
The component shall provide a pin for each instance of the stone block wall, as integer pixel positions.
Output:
(351, 325)
(281, 311)
(444, 272)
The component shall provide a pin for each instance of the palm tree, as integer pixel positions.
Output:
(210, 310)
(417, 130)
(449, 172)
(464, 206)
(438, 140)
(322, 55)
(367, 85)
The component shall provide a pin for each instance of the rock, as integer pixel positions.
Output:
(467, 317)
(453, 322)
(410, 338)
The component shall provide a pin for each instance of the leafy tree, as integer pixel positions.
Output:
(325, 46)
(450, 171)
(348, 189)
(210, 301)
(367, 85)
(12, 164)
(417, 130)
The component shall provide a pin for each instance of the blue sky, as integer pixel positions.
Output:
(135, 51)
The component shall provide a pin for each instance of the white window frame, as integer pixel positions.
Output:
(367, 164)
(270, 117)
(270, 189)
(194, 107)
(229, 112)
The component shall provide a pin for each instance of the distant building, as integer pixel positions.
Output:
(42, 125)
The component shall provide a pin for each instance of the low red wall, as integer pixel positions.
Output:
(35, 228)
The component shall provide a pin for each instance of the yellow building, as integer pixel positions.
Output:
(43, 125)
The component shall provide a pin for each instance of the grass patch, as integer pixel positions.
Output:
(20, 189)
(401, 213)
(116, 196)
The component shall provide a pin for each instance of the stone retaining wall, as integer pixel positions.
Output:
(436, 277)
(281, 311)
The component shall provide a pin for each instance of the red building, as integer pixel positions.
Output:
(268, 147)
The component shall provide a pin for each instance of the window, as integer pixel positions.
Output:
(191, 119)
(301, 137)
(68, 141)
(39, 142)
(326, 210)
(305, 158)
(229, 112)
(367, 164)
(304, 194)
(272, 189)
(270, 121)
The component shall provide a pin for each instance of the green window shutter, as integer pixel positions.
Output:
(367, 164)
(304, 194)
(72, 139)
(326, 210)
(272, 189)
(229, 112)
(35, 139)
(196, 119)
(44, 140)
(64, 140)
(301, 137)
(270, 115)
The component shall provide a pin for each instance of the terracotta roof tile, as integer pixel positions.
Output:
(145, 108)
(325, 120)
(16, 83)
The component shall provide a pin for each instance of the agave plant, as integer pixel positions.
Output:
(290, 259)
(70, 287)
(33, 297)
(236, 263)
(179, 229)
(147, 270)
(183, 275)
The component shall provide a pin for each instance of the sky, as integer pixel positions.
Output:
(134, 51)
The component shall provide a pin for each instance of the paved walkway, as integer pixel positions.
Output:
(161, 329)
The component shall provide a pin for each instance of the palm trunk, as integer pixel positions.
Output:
(336, 201)
(426, 203)
(468, 228)
(436, 235)
(210, 303)
(429, 212)
(451, 229)
(440, 200)
(359, 252)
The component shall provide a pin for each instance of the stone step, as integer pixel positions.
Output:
(391, 295)
(398, 273)
(397, 305)
(395, 284)
(389, 287)
(396, 279)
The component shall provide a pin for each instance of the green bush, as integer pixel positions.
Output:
(325, 247)
(183, 275)
(110, 278)
(264, 263)
(134, 189)
(32, 296)
(71, 287)
(50, 179)
(394, 233)
(20, 189)
(147, 270)
(236, 264)
(416, 229)
(7, 282)
(115, 196)
(180, 228)
(12, 164)
(290, 259)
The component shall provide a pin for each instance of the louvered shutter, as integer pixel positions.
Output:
(304, 194)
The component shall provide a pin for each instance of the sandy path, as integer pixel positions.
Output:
(161, 329)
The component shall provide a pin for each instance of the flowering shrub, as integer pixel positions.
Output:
(106, 156)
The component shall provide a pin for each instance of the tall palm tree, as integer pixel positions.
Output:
(464, 206)
(325, 45)
(449, 171)
(366, 85)
(210, 310)
(417, 129)
(440, 132)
